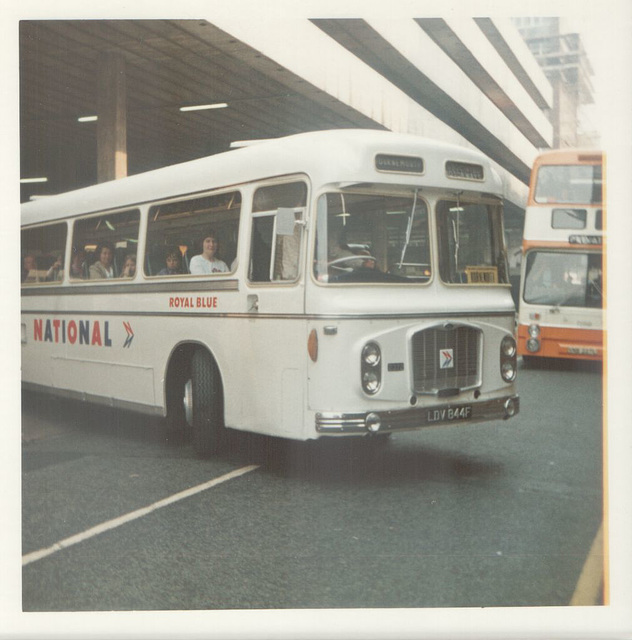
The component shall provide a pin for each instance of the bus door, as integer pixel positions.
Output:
(274, 333)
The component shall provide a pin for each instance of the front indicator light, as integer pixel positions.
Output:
(373, 422)
(312, 345)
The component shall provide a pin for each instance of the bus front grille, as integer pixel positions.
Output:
(446, 357)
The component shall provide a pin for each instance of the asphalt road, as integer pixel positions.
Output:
(491, 515)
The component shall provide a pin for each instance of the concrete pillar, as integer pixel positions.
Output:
(112, 118)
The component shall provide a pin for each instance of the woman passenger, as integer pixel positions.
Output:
(104, 266)
(129, 267)
(206, 262)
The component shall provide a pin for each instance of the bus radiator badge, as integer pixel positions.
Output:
(446, 359)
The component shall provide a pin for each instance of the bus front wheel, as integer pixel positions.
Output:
(205, 404)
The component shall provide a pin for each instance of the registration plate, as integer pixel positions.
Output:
(582, 351)
(449, 414)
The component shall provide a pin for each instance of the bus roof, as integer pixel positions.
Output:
(333, 156)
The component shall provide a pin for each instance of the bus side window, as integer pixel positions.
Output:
(42, 255)
(275, 252)
(117, 232)
(181, 225)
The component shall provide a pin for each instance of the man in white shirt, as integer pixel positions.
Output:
(206, 262)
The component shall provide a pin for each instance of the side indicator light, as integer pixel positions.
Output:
(312, 345)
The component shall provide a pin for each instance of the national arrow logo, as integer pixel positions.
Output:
(446, 359)
(130, 334)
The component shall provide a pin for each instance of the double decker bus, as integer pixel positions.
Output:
(324, 284)
(561, 294)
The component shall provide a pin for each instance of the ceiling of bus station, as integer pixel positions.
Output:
(169, 64)
(174, 63)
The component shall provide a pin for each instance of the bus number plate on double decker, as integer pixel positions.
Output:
(582, 351)
(449, 414)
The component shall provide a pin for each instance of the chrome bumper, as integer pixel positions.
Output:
(417, 417)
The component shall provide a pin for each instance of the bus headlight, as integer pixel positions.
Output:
(534, 331)
(370, 382)
(371, 354)
(508, 372)
(508, 347)
(371, 369)
(533, 345)
(508, 359)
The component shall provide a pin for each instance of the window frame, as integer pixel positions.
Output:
(64, 271)
(560, 211)
(496, 237)
(149, 245)
(117, 279)
(381, 190)
(300, 224)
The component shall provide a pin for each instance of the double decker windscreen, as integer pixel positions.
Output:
(564, 279)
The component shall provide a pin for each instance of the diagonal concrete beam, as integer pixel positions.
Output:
(360, 38)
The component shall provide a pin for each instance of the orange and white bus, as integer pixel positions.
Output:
(325, 284)
(561, 292)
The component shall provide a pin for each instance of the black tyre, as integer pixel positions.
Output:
(207, 412)
(178, 425)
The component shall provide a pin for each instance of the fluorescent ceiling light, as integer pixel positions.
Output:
(30, 180)
(87, 118)
(202, 107)
(238, 144)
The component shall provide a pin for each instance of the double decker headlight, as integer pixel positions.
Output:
(533, 342)
(371, 369)
(508, 359)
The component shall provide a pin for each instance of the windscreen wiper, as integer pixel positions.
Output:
(409, 230)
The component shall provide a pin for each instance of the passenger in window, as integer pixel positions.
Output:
(77, 264)
(29, 268)
(56, 271)
(129, 266)
(104, 266)
(206, 262)
(173, 263)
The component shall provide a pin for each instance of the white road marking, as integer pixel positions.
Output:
(592, 576)
(132, 515)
